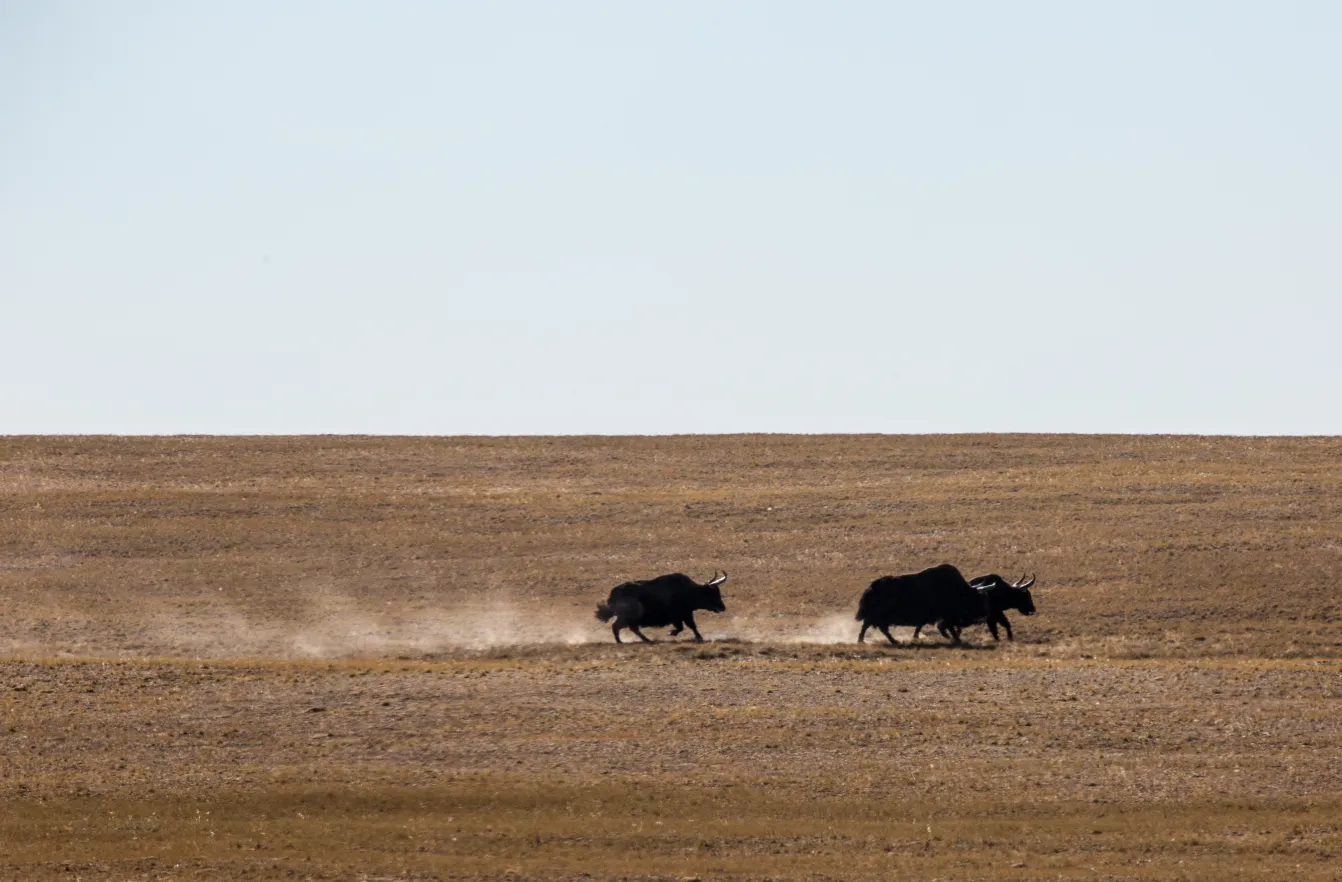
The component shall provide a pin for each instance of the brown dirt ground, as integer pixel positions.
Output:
(374, 658)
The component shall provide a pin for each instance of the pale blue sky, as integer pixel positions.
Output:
(676, 217)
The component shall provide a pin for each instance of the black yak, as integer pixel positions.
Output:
(936, 595)
(1002, 596)
(665, 600)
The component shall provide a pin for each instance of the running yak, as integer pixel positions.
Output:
(1002, 596)
(939, 595)
(665, 600)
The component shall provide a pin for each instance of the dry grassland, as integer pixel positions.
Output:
(369, 658)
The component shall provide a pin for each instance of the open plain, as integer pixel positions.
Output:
(375, 658)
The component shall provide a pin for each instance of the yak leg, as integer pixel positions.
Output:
(885, 629)
(862, 635)
(1005, 623)
(954, 635)
(627, 614)
(689, 620)
(676, 628)
(944, 629)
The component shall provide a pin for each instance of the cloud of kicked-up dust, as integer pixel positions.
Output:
(335, 627)
(329, 623)
(834, 628)
(471, 627)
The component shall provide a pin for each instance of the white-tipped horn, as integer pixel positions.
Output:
(1026, 583)
(718, 580)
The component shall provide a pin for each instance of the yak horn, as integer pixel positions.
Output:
(1024, 583)
(718, 580)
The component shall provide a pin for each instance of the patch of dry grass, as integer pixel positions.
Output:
(724, 761)
(509, 829)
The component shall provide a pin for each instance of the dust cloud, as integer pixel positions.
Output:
(337, 628)
(333, 625)
(473, 628)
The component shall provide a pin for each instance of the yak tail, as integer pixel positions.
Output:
(862, 606)
(605, 612)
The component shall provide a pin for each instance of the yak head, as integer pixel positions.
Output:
(710, 595)
(1008, 595)
(1018, 595)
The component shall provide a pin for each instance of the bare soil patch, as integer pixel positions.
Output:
(348, 658)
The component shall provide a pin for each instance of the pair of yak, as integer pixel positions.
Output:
(936, 596)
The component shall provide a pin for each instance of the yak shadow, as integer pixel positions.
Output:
(943, 647)
(735, 647)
